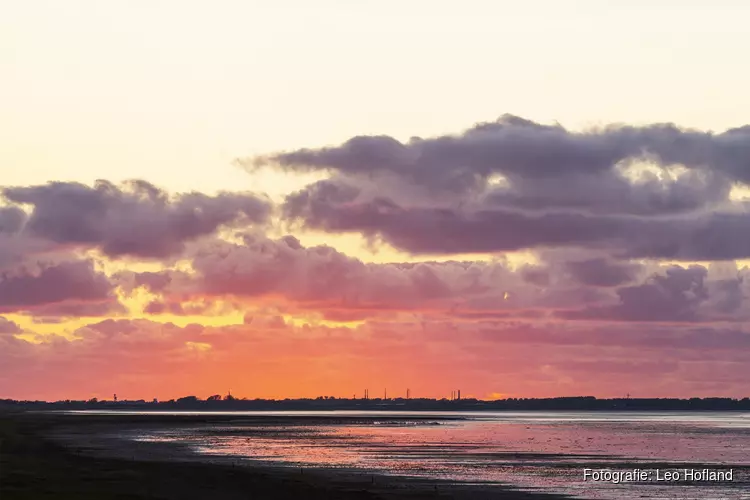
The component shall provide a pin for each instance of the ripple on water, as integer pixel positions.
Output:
(539, 451)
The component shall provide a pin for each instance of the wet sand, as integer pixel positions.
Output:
(38, 461)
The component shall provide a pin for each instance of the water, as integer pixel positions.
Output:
(540, 451)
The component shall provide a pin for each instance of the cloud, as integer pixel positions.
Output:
(601, 210)
(621, 336)
(17, 248)
(270, 322)
(600, 272)
(612, 192)
(8, 327)
(154, 281)
(518, 147)
(655, 191)
(134, 219)
(68, 287)
(11, 219)
(677, 295)
(77, 309)
(192, 308)
(321, 278)
(338, 206)
(318, 280)
(535, 275)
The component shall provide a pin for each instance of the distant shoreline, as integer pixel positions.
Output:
(585, 403)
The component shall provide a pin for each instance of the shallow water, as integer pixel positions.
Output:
(542, 451)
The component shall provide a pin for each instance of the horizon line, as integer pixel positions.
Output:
(229, 398)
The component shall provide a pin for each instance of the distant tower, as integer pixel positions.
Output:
(459, 394)
(408, 394)
(385, 393)
(115, 398)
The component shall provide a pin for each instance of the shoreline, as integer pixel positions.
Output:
(36, 464)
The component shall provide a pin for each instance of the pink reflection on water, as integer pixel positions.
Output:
(532, 452)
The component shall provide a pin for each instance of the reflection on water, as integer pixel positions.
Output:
(546, 451)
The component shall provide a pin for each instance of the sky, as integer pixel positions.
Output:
(295, 199)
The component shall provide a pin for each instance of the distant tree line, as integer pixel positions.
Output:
(217, 402)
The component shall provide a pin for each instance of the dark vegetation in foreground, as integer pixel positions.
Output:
(34, 467)
(230, 403)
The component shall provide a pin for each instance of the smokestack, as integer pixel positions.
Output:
(459, 394)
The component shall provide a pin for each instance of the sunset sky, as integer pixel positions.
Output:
(298, 198)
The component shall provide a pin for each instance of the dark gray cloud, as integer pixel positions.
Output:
(11, 219)
(332, 207)
(17, 248)
(673, 296)
(519, 147)
(611, 192)
(337, 206)
(601, 272)
(58, 312)
(715, 236)
(77, 281)
(676, 294)
(8, 327)
(536, 275)
(162, 307)
(154, 281)
(136, 219)
(728, 295)
(515, 185)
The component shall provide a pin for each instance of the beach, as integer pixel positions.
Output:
(34, 465)
(503, 455)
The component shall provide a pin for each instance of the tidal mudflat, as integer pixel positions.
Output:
(33, 465)
(536, 452)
